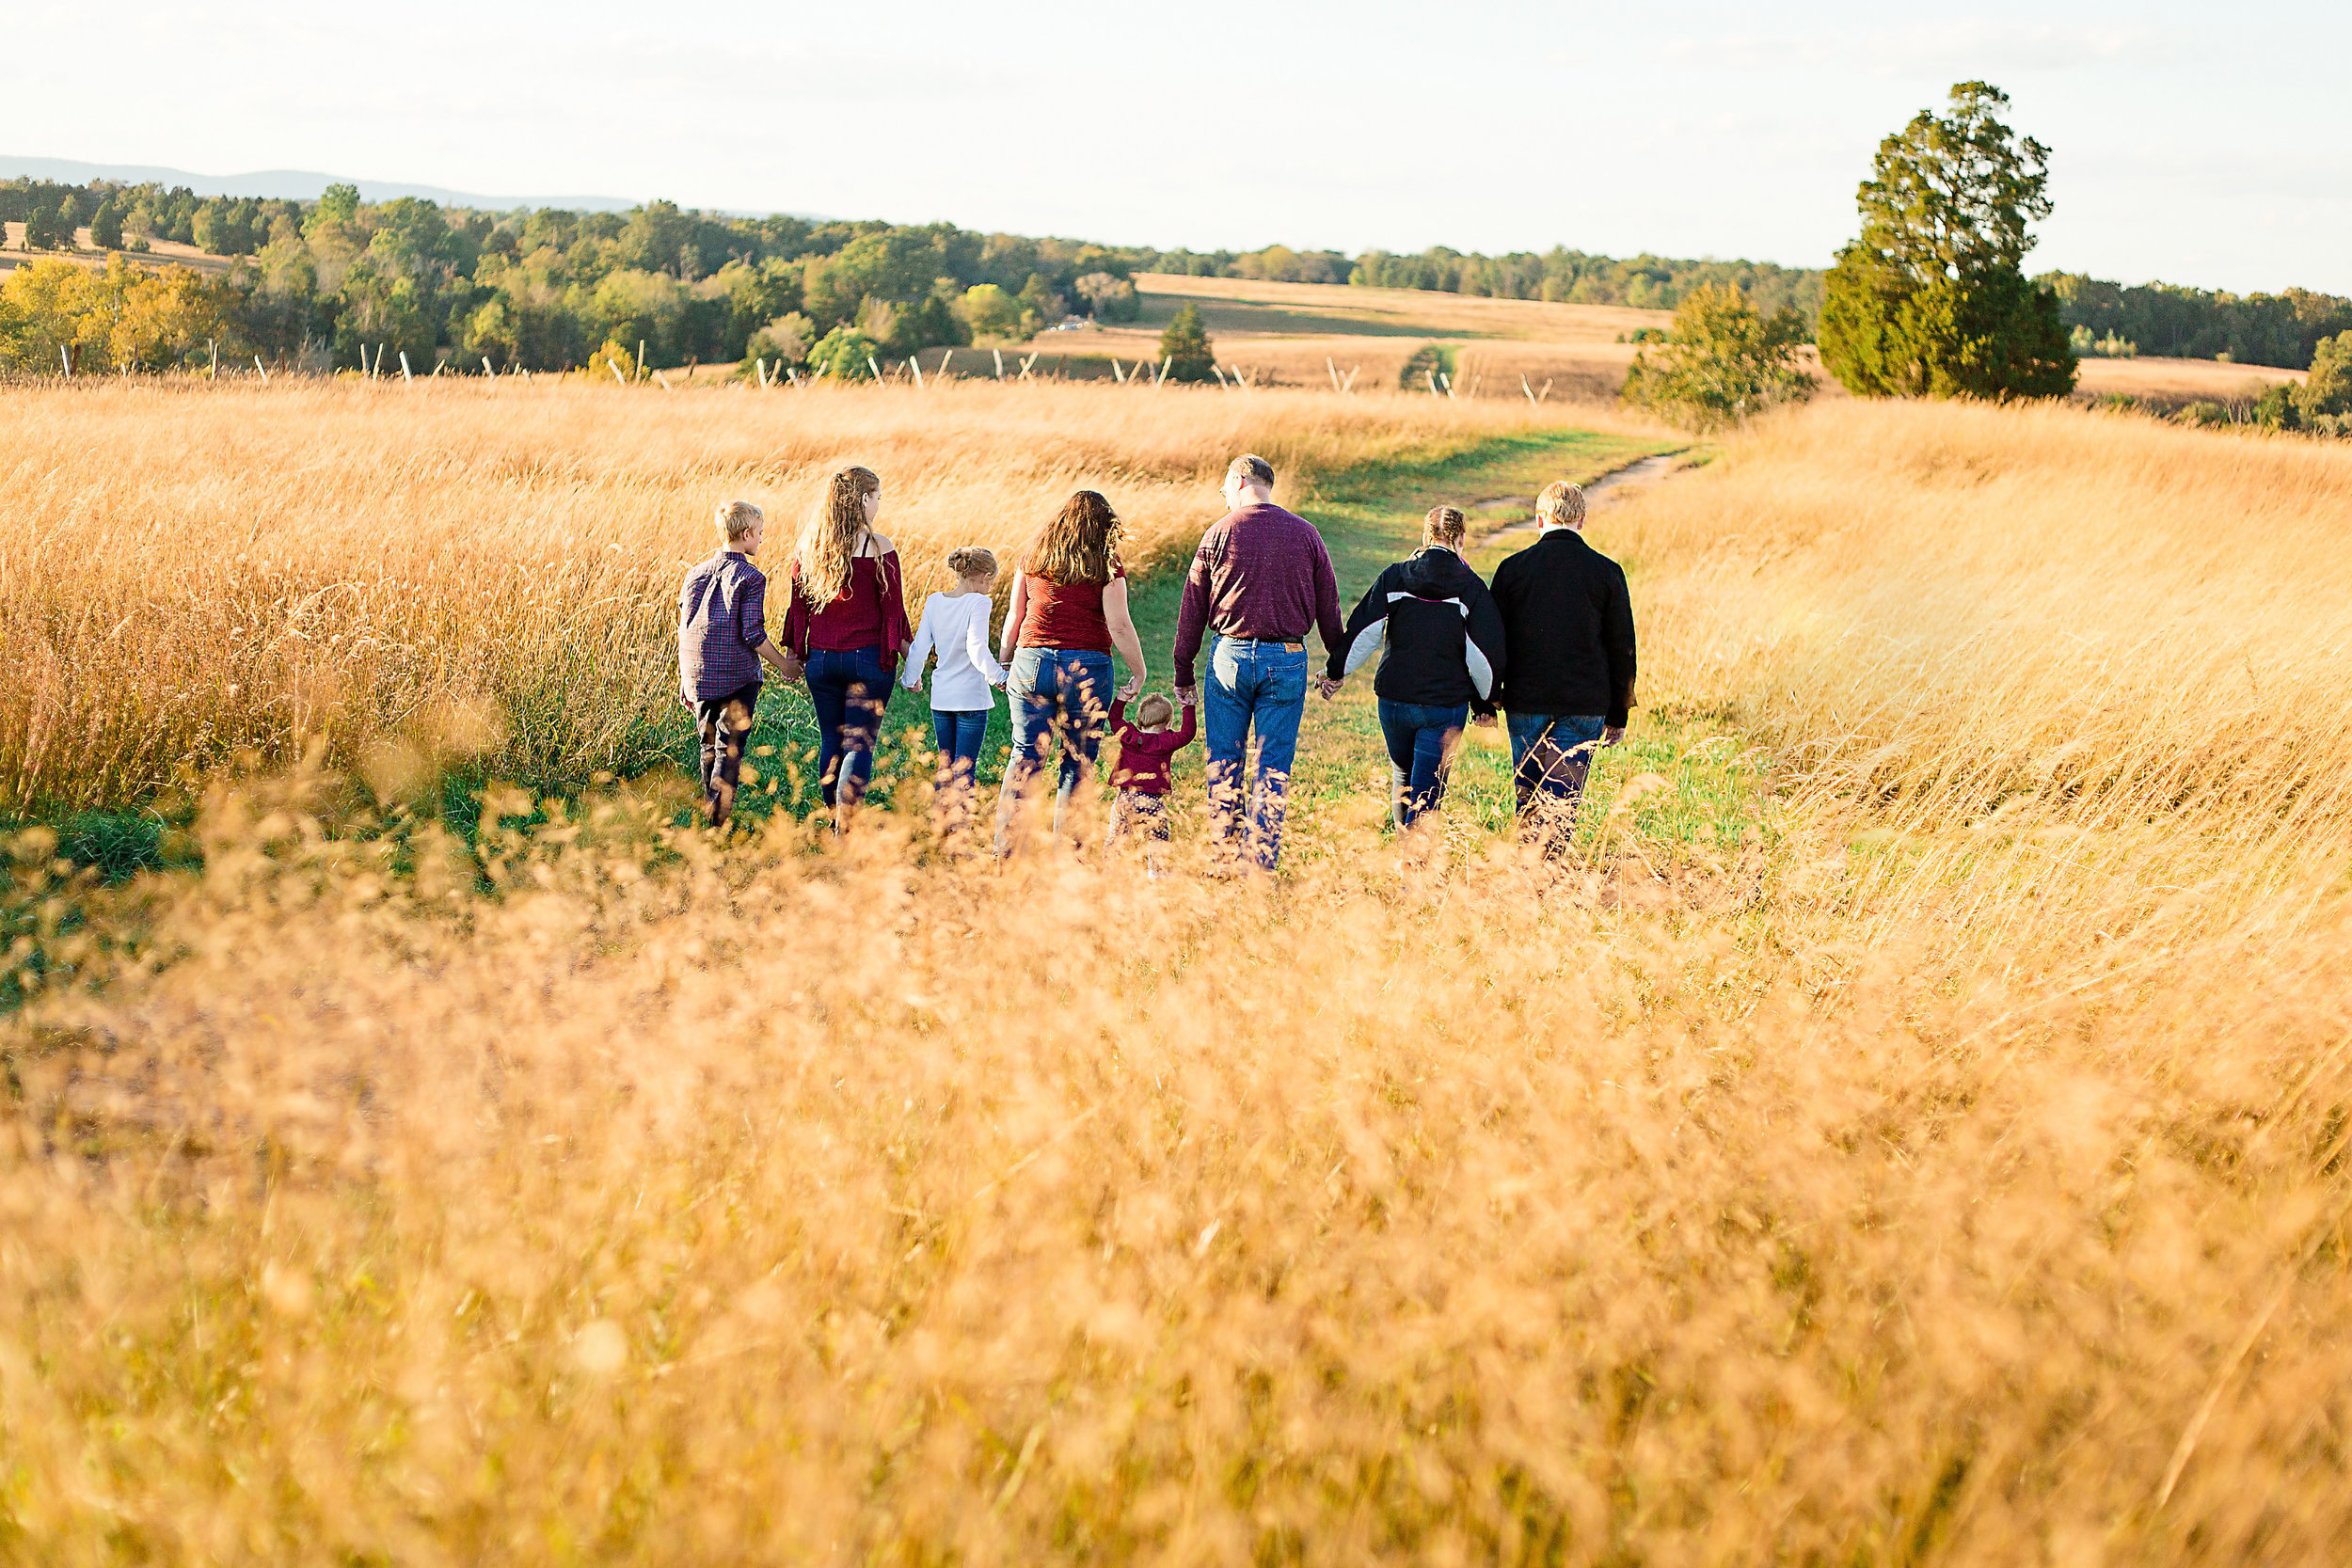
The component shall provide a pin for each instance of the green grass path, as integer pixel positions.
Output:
(1370, 517)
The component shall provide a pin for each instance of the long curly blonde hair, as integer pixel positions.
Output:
(835, 530)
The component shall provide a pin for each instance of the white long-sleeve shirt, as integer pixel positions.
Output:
(956, 629)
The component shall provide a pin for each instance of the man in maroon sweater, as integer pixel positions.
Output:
(1259, 579)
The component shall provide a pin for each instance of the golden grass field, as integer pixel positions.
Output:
(1912, 1130)
(190, 570)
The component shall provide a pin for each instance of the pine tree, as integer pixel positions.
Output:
(1931, 298)
(105, 228)
(1184, 347)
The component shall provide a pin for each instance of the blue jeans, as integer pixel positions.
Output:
(849, 689)
(1421, 751)
(1550, 755)
(959, 736)
(1259, 686)
(1058, 694)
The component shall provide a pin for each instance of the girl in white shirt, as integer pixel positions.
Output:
(955, 627)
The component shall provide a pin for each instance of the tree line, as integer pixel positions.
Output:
(2284, 329)
(316, 283)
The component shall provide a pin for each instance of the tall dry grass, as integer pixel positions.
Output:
(623, 1196)
(2075, 676)
(190, 571)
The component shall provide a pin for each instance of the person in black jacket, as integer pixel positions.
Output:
(1568, 624)
(1444, 656)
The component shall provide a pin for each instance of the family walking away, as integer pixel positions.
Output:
(1547, 649)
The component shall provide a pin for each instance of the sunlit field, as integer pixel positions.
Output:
(191, 570)
(1911, 1127)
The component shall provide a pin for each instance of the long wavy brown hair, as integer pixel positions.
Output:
(836, 530)
(1079, 544)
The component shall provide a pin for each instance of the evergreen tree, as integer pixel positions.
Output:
(105, 227)
(1931, 298)
(1184, 347)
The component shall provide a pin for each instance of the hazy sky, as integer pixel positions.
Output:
(2191, 143)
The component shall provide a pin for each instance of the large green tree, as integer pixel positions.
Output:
(1931, 299)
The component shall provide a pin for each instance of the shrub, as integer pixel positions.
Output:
(1723, 361)
(844, 354)
(1428, 361)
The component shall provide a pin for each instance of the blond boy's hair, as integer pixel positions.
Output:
(737, 519)
(1154, 709)
(972, 562)
(1561, 505)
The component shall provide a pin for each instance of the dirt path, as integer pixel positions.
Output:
(1646, 471)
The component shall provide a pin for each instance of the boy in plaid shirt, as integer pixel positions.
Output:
(722, 642)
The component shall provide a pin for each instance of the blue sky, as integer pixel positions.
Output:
(2189, 145)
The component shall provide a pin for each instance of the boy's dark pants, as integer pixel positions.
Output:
(723, 722)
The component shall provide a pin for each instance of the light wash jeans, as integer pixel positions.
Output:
(1260, 687)
(1056, 694)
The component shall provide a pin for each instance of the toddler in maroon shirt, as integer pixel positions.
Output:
(1147, 753)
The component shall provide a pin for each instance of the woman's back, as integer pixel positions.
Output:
(1067, 615)
(1434, 623)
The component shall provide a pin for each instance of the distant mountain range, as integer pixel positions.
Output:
(291, 184)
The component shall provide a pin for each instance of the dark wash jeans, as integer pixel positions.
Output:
(720, 723)
(849, 689)
(1258, 687)
(1551, 754)
(1056, 695)
(1421, 740)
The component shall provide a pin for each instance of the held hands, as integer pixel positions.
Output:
(795, 667)
(1328, 687)
(1484, 721)
(1612, 735)
(1132, 689)
(1188, 695)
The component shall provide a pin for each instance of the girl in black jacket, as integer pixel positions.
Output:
(1444, 658)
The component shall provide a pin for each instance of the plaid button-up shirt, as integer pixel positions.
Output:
(722, 621)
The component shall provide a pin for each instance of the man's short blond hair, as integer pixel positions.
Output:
(971, 560)
(737, 519)
(1154, 709)
(1249, 469)
(1561, 505)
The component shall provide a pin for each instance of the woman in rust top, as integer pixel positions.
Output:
(1069, 611)
(849, 625)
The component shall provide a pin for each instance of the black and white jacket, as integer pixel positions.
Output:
(1442, 632)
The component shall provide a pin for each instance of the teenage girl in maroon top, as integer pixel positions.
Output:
(849, 625)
